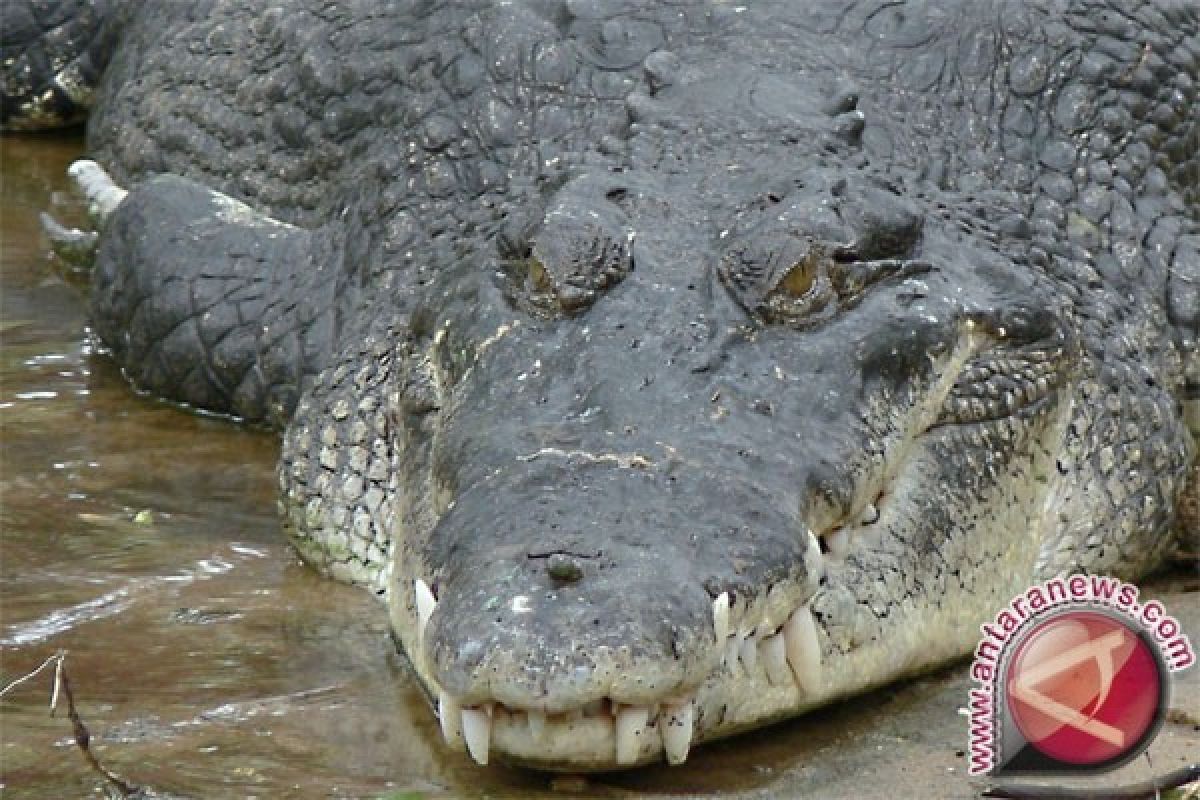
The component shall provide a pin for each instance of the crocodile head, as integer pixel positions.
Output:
(665, 477)
(667, 466)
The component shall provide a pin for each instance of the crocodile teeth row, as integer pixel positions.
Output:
(789, 656)
(674, 727)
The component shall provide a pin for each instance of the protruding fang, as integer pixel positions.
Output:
(803, 650)
(450, 716)
(721, 616)
(748, 653)
(870, 514)
(675, 723)
(426, 603)
(773, 652)
(838, 541)
(537, 725)
(477, 730)
(814, 558)
(631, 725)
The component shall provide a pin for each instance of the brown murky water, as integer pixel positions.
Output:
(207, 662)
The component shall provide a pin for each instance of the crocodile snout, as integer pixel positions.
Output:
(586, 583)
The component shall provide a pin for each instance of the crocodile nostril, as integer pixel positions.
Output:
(563, 569)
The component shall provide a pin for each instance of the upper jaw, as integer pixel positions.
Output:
(761, 672)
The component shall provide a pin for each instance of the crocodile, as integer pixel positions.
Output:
(667, 369)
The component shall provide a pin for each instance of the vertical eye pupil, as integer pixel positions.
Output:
(539, 279)
(799, 279)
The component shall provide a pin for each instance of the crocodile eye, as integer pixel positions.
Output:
(568, 267)
(819, 248)
(779, 276)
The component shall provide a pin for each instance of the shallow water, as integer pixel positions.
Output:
(208, 662)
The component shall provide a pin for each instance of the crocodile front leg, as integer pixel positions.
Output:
(207, 302)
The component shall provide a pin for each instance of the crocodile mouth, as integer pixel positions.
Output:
(752, 648)
(777, 648)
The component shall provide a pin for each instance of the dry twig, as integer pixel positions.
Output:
(62, 687)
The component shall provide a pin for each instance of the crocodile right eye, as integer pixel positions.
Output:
(568, 267)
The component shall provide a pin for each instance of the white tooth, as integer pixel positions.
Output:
(870, 514)
(814, 559)
(537, 725)
(450, 716)
(838, 541)
(729, 656)
(803, 650)
(675, 724)
(748, 653)
(631, 725)
(426, 603)
(477, 730)
(721, 616)
(773, 652)
(813, 544)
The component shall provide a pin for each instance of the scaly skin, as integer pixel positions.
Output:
(51, 56)
(672, 369)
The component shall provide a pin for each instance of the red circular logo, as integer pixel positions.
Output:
(1085, 689)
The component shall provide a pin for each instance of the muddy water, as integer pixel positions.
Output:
(207, 662)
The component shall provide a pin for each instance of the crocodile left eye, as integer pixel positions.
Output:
(819, 247)
(781, 277)
(800, 279)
